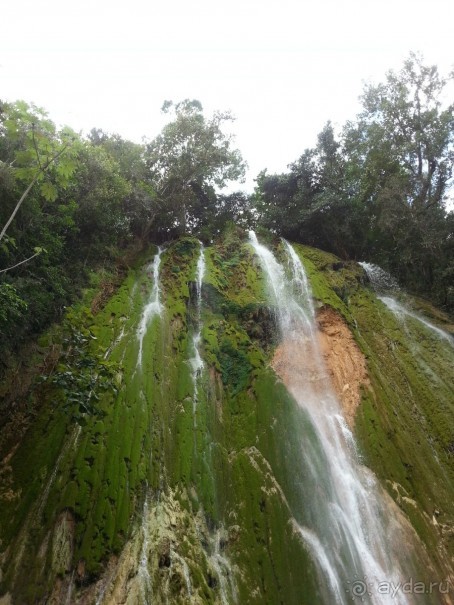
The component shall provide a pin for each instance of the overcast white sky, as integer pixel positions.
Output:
(283, 68)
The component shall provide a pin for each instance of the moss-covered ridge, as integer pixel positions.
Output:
(143, 441)
(77, 493)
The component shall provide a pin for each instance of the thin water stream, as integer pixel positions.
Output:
(153, 307)
(384, 285)
(402, 312)
(196, 361)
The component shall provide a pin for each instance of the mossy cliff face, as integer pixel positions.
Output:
(405, 422)
(148, 495)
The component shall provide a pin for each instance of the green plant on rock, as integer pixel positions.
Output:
(83, 375)
(12, 307)
(235, 366)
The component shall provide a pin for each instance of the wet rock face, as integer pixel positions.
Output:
(260, 325)
(63, 543)
(170, 557)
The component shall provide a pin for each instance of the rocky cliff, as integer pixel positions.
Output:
(151, 457)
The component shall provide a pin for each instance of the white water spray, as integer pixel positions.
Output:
(342, 517)
(401, 312)
(70, 589)
(384, 282)
(380, 279)
(174, 556)
(153, 307)
(196, 361)
(143, 573)
(221, 565)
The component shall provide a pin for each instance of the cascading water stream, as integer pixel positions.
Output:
(153, 307)
(143, 570)
(196, 361)
(341, 516)
(174, 556)
(381, 280)
(219, 562)
(401, 312)
(383, 283)
(224, 572)
(70, 589)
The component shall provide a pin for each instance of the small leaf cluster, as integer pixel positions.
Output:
(12, 308)
(84, 375)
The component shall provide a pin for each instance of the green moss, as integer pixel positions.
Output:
(404, 424)
(235, 367)
(232, 449)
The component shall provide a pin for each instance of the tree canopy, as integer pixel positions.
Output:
(188, 160)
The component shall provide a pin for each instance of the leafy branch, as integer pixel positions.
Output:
(83, 375)
(41, 171)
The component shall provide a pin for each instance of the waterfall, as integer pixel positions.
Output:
(401, 312)
(143, 572)
(380, 279)
(153, 307)
(223, 570)
(341, 516)
(174, 556)
(384, 282)
(196, 361)
(70, 589)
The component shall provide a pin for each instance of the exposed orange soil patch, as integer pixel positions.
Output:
(344, 361)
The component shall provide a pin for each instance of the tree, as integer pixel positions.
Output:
(312, 203)
(37, 149)
(401, 151)
(191, 157)
(233, 208)
(139, 206)
(275, 200)
(404, 135)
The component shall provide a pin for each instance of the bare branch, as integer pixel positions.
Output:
(21, 262)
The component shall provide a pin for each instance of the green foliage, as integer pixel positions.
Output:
(99, 189)
(139, 205)
(35, 153)
(226, 212)
(313, 203)
(404, 124)
(83, 375)
(188, 159)
(34, 141)
(12, 309)
(235, 367)
(84, 207)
